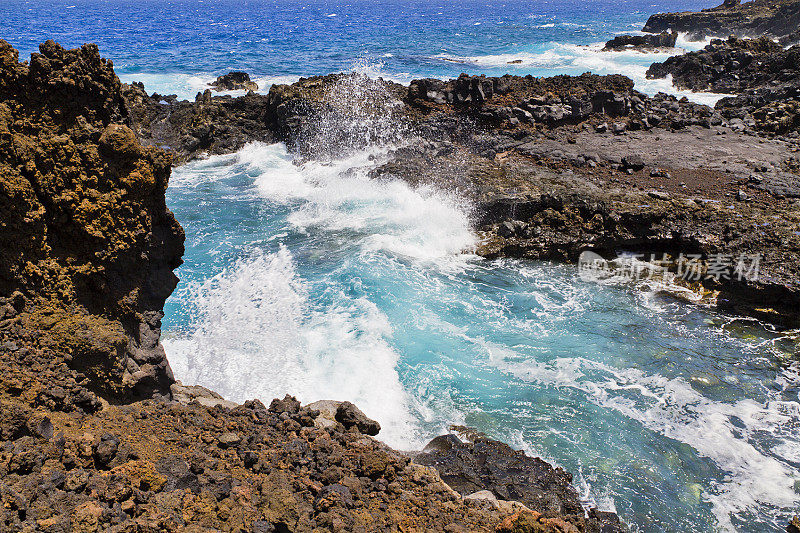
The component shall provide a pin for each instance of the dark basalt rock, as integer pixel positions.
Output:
(546, 103)
(487, 464)
(234, 81)
(733, 66)
(642, 42)
(771, 18)
(764, 76)
(350, 416)
(209, 125)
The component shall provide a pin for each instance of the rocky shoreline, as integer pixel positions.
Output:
(769, 18)
(556, 166)
(95, 434)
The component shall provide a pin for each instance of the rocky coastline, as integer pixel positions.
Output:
(556, 166)
(96, 434)
(775, 19)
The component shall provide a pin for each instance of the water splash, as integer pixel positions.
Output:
(357, 112)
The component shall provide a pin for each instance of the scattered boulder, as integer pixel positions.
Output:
(186, 394)
(633, 162)
(229, 440)
(106, 450)
(351, 416)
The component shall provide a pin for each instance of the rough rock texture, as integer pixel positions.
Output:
(209, 125)
(771, 18)
(86, 239)
(486, 464)
(764, 76)
(642, 42)
(156, 466)
(733, 66)
(351, 416)
(528, 104)
(234, 81)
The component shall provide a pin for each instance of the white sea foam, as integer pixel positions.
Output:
(186, 86)
(722, 432)
(421, 223)
(571, 58)
(257, 334)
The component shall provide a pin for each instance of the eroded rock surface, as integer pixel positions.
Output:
(771, 18)
(87, 245)
(763, 75)
(642, 42)
(234, 81)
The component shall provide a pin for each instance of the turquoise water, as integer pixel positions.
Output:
(314, 280)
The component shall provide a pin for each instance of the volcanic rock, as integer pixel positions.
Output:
(234, 81)
(642, 42)
(770, 18)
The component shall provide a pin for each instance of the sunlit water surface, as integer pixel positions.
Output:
(314, 280)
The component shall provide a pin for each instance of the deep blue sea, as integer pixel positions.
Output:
(314, 280)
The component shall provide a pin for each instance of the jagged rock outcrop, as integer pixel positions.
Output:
(642, 42)
(526, 103)
(771, 18)
(209, 125)
(234, 81)
(484, 464)
(87, 244)
(733, 66)
(764, 76)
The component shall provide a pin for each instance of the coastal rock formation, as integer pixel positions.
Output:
(642, 42)
(327, 116)
(770, 18)
(733, 66)
(484, 464)
(156, 466)
(209, 125)
(764, 76)
(87, 245)
(659, 165)
(234, 81)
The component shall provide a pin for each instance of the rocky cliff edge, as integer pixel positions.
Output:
(87, 244)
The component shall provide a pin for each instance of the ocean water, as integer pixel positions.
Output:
(313, 279)
(309, 278)
(178, 46)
